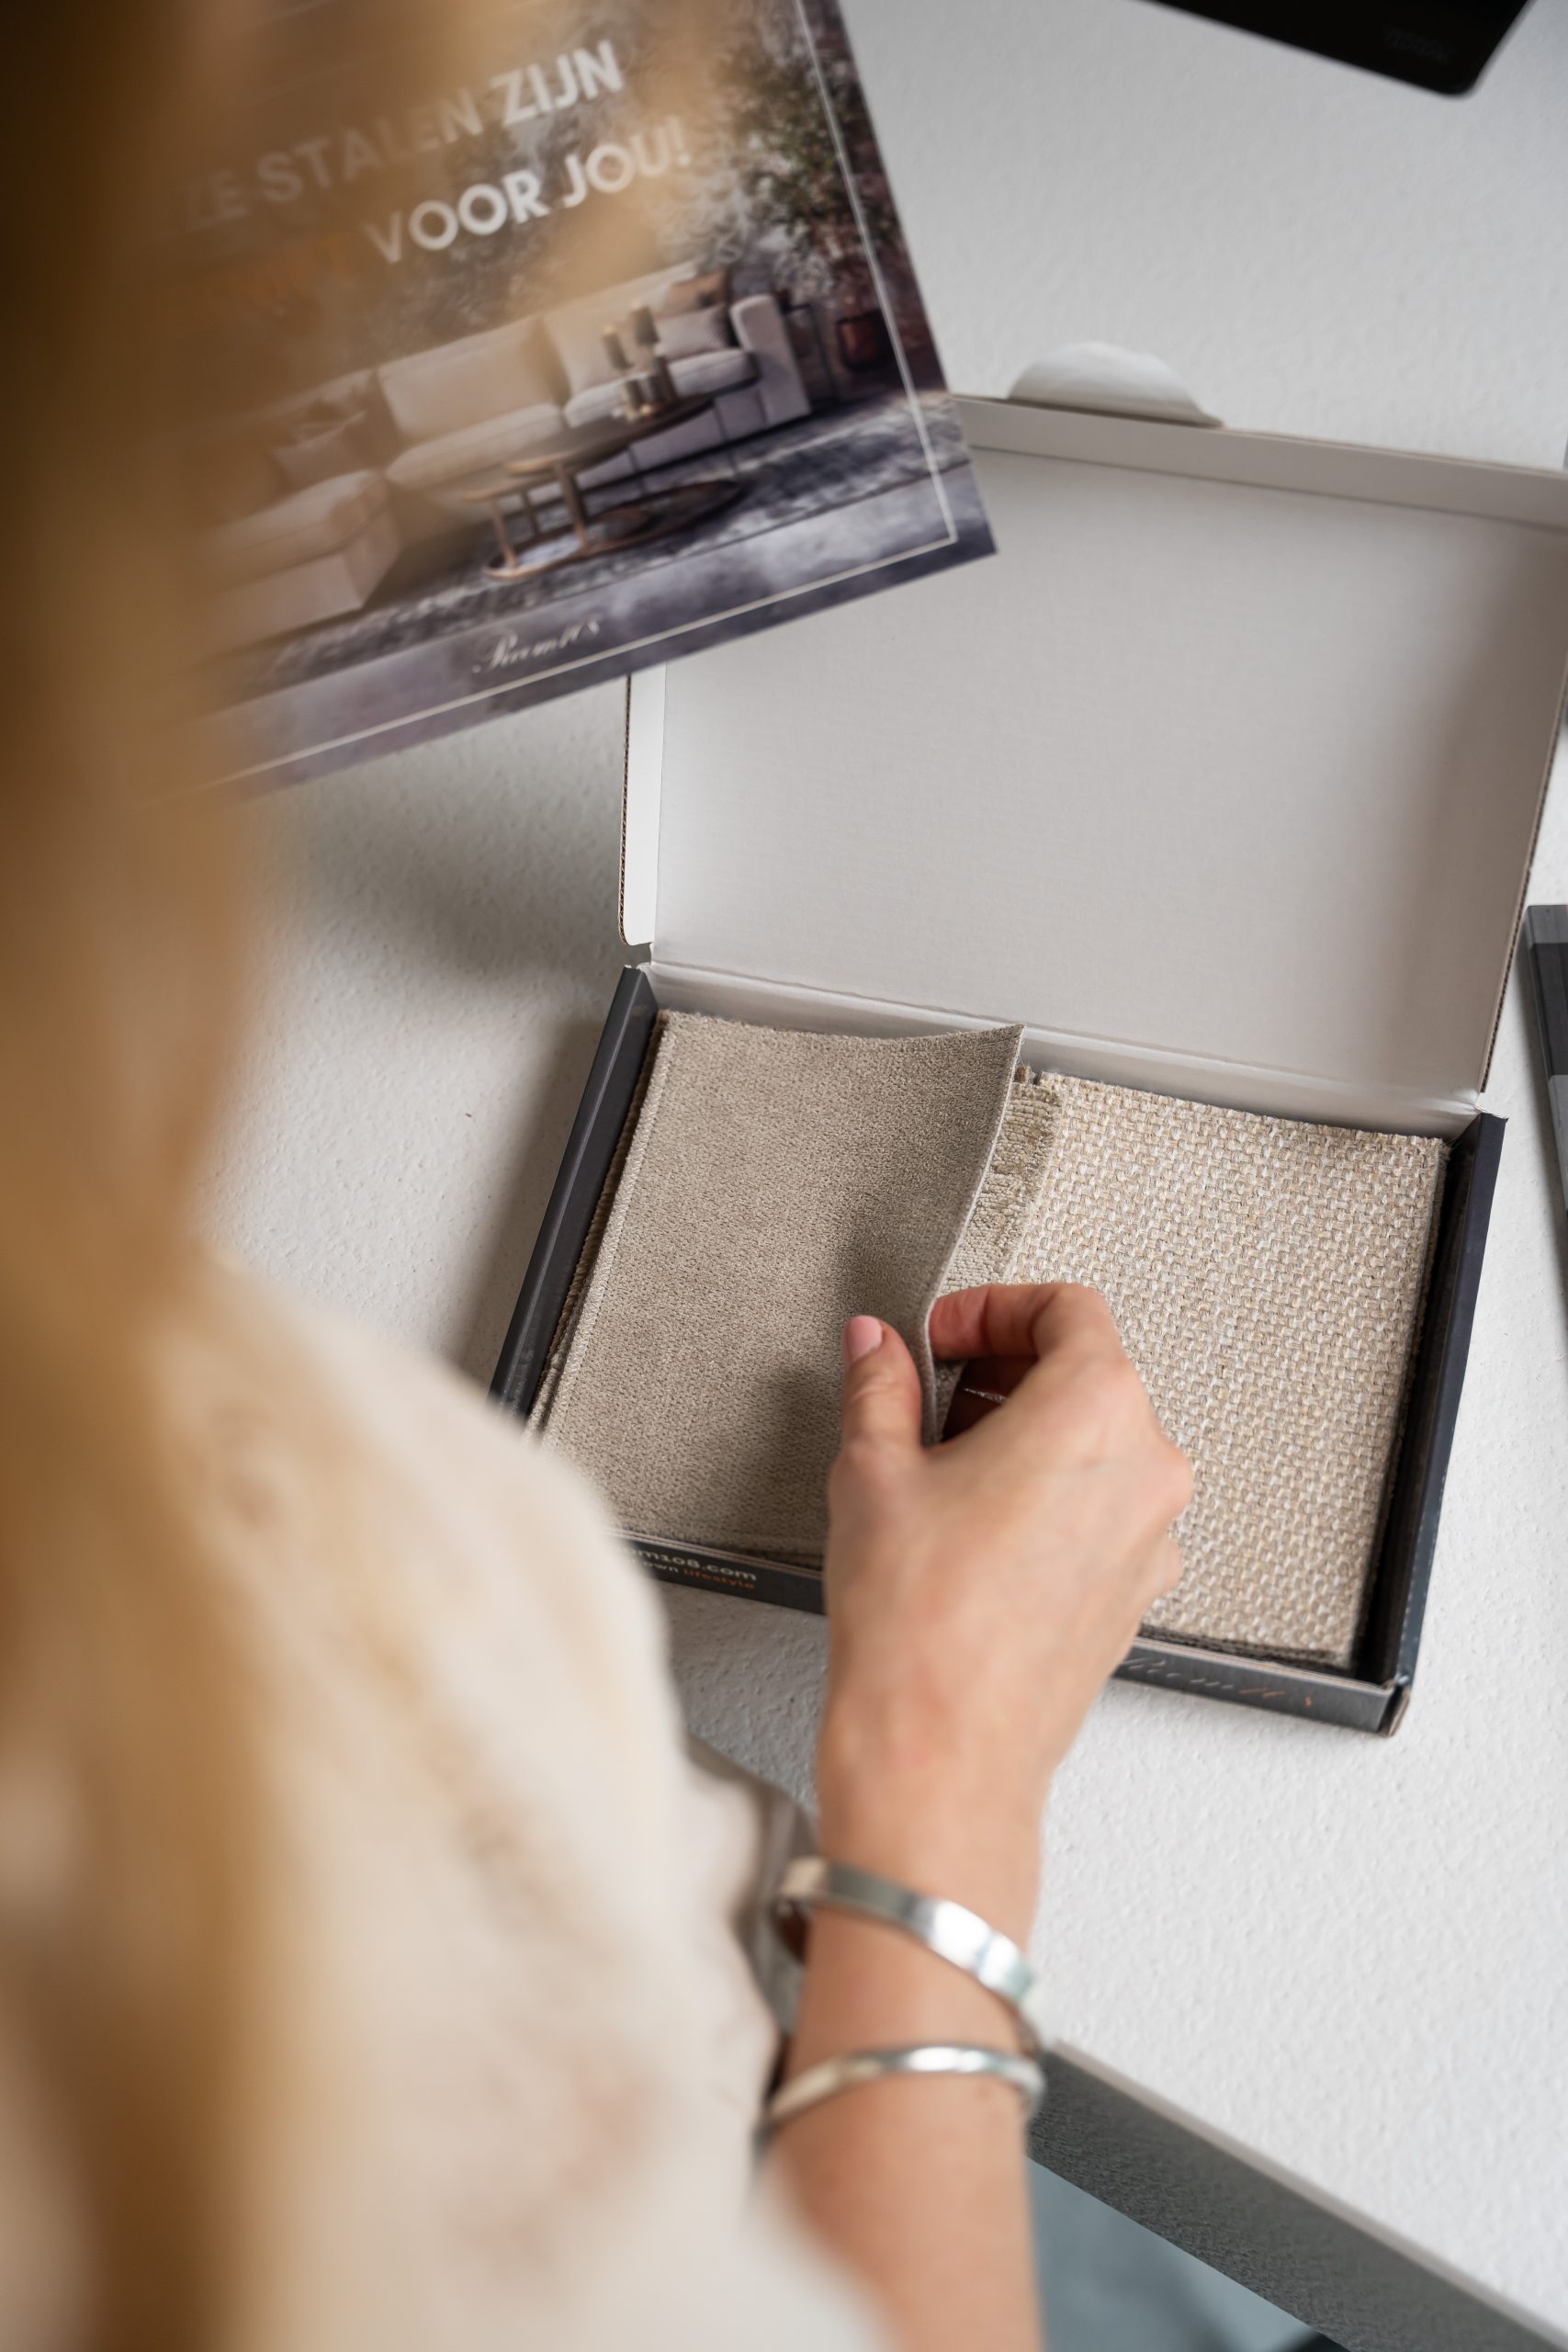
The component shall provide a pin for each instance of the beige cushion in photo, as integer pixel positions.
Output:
(577, 329)
(470, 381)
(311, 523)
(478, 452)
(685, 334)
(307, 458)
(358, 396)
(710, 373)
(599, 404)
(713, 372)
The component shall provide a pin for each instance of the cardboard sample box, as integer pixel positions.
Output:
(1223, 779)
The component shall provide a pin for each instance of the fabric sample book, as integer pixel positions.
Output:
(1267, 1276)
(775, 1184)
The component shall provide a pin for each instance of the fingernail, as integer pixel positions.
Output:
(861, 1334)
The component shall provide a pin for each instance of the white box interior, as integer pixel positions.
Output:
(1222, 775)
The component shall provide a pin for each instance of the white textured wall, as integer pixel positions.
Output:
(1319, 251)
(1347, 1954)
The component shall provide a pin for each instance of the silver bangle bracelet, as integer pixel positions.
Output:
(956, 1935)
(846, 2074)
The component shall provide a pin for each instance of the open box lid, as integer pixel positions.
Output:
(1224, 775)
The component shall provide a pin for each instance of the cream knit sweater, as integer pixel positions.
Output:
(518, 2053)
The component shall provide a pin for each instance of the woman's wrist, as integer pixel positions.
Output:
(983, 1854)
(868, 1986)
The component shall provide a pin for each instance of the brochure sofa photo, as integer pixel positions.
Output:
(606, 347)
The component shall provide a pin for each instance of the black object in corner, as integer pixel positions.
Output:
(1546, 954)
(1441, 45)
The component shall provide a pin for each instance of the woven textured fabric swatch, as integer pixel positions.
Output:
(1267, 1277)
(775, 1184)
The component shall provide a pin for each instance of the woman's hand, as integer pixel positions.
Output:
(979, 1593)
(981, 1590)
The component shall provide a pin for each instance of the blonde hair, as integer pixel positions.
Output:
(118, 972)
(131, 1986)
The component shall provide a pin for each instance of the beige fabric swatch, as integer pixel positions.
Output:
(1267, 1276)
(776, 1182)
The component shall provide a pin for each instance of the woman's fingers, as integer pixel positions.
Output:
(986, 1383)
(882, 1401)
(1021, 1319)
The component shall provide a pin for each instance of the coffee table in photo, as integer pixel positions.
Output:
(555, 468)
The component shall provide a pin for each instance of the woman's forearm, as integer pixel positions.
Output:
(918, 2186)
(979, 1592)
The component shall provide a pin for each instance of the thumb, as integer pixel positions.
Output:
(881, 1387)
